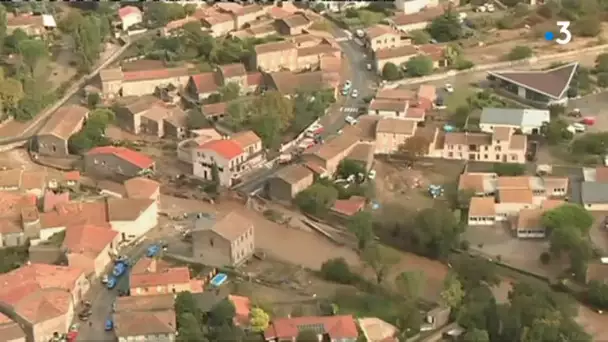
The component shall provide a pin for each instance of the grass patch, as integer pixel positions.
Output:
(458, 98)
(360, 304)
(357, 19)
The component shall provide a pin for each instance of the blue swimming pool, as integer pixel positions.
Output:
(219, 279)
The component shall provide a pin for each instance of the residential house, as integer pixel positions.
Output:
(329, 155)
(329, 328)
(276, 56)
(174, 27)
(116, 82)
(90, 247)
(380, 37)
(416, 21)
(340, 6)
(53, 138)
(186, 147)
(346, 208)
(144, 303)
(214, 111)
(233, 73)
(201, 86)
(130, 16)
(289, 83)
(414, 6)
(294, 24)
(363, 153)
(142, 188)
(145, 325)
(129, 113)
(376, 330)
(594, 196)
(175, 123)
(247, 14)
(396, 55)
(290, 181)
(218, 23)
(132, 217)
(479, 184)
(32, 25)
(501, 146)
(242, 308)
(151, 277)
(392, 133)
(115, 161)
(541, 87)
(228, 241)
(527, 121)
(45, 296)
(388, 108)
(309, 58)
(233, 157)
(482, 211)
(529, 221)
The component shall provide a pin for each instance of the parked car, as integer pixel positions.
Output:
(449, 88)
(579, 127)
(109, 325)
(575, 113)
(372, 174)
(104, 279)
(355, 94)
(152, 251)
(119, 269)
(350, 120)
(111, 283)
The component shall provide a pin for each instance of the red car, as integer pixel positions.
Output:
(588, 120)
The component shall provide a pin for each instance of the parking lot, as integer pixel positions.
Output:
(595, 105)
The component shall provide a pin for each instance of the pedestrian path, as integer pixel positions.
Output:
(349, 109)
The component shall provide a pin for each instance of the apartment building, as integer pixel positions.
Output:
(233, 157)
(502, 146)
(392, 133)
(149, 277)
(116, 82)
(416, 21)
(290, 181)
(293, 56)
(228, 241)
(381, 36)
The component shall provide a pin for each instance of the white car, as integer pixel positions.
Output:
(372, 175)
(355, 93)
(449, 88)
(579, 127)
(350, 120)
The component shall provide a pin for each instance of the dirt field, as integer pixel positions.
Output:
(305, 249)
(18, 158)
(398, 184)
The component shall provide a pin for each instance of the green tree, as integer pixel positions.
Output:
(476, 335)
(307, 335)
(601, 63)
(348, 167)
(519, 52)
(453, 292)
(473, 272)
(317, 199)
(420, 65)
(414, 148)
(602, 79)
(93, 99)
(3, 22)
(420, 37)
(230, 91)
(259, 320)
(597, 294)
(189, 329)
(568, 215)
(410, 284)
(159, 14)
(32, 51)
(361, 226)
(461, 116)
(446, 27)
(222, 314)
(195, 119)
(557, 131)
(588, 26)
(271, 114)
(190, 9)
(11, 91)
(380, 259)
(391, 72)
(11, 42)
(214, 187)
(337, 270)
(442, 230)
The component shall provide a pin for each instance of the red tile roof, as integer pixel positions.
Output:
(138, 159)
(140, 187)
(154, 74)
(170, 276)
(128, 10)
(337, 327)
(72, 176)
(255, 78)
(349, 207)
(88, 240)
(205, 82)
(51, 200)
(226, 148)
(242, 306)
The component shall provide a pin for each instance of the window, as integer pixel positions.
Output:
(211, 242)
(450, 154)
(498, 157)
(95, 161)
(513, 158)
(497, 148)
(485, 156)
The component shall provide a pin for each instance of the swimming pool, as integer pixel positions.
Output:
(219, 279)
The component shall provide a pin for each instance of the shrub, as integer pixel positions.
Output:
(519, 52)
(545, 258)
(337, 270)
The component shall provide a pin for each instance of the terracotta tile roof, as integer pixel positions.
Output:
(242, 306)
(422, 16)
(232, 226)
(72, 176)
(516, 196)
(156, 74)
(552, 183)
(296, 20)
(10, 226)
(11, 203)
(205, 83)
(33, 180)
(110, 187)
(276, 12)
(415, 113)
(179, 23)
(140, 187)
(460, 138)
(529, 218)
(229, 7)
(434, 51)
(330, 63)
(401, 51)
(127, 209)
(11, 331)
(88, 240)
(482, 206)
(363, 152)
(128, 10)
(473, 182)
(51, 200)
(176, 117)
(10, 179)
(321, 49)
(226, 148)
(232, 70)
(112, 74)
(274, 47)
(314, 167)
(65, 121)
(136, 158)
(379, 31)
(150, 265)
(337, 327)
(255, 78)
(246, 139)
(601, 174)
(166, 277)
(502, 133)
(249, 9)
(335, 147)
(388, 105)
(396, 126)
(515, 182)
(69, 214)
(550, 204)
(349, 207)
(24, 20)
(140, 323)
(293, 173)
(145, 303)
(553, 82)
(33, 277)
(597, 271)
(214, 109)
(395, 94)
(216, 19)
(427, 91)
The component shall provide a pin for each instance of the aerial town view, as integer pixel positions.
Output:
(304, 171)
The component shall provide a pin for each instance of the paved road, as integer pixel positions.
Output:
(102, 300)
(362, 80)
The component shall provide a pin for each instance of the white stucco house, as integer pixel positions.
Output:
(529, 121)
